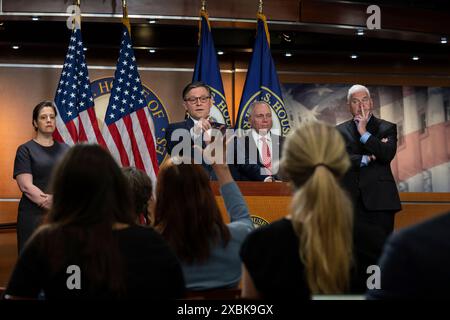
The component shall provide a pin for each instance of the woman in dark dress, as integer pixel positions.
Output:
(309, 251)
(89, 246)
(32, 169)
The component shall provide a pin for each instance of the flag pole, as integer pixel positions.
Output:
(203, 13)
(260, 15)
(79, 7)
(125, 19)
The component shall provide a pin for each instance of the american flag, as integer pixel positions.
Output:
(127, 120)
(76, 120)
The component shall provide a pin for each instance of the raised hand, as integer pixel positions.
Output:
(202, 125)
(362, 120)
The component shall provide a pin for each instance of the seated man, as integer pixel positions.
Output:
(260, 147)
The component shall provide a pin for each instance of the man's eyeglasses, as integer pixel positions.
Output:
(363, 101)
(193, 100)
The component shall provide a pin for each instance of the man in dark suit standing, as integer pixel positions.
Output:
(371, 144)
(197, 103)
(260, 146)
(181, 136)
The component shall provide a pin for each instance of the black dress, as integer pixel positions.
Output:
(37, 160)
(271, 256)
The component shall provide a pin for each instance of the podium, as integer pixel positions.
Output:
(267, 201)
(270, 201)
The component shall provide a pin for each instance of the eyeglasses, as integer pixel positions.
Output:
(193, 100)
(363, 101)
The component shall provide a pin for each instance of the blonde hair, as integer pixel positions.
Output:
(314, 158)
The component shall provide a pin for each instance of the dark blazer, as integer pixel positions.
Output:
(250, 170)
(374, 183)
(415, 263)
(187, 125)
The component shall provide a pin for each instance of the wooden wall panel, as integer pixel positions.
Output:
(8, 254)
(276, 10)
(8, 211)
(346, 13)
(20, 91)
(418, 212)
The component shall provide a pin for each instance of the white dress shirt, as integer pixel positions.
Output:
(257, 137)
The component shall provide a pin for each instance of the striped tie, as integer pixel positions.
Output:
(266, 156)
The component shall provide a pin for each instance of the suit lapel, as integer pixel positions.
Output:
(276, 147)
(188, 123)
(251, 145)
(352, 130)
(373, 125)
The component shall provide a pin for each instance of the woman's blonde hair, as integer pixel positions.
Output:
(314, 159)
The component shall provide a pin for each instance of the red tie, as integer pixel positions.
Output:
(266, 156)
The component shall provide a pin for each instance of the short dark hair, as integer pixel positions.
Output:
(193, 85)
(141, 188)
(39, 107)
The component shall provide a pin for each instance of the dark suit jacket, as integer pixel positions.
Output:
(250, 170)
(187, 125)
(415, 263)
(374, 183)
(242, 171)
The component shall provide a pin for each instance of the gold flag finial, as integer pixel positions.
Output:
(260, 7)
(203, 14)
(203, 8)
(125, 19)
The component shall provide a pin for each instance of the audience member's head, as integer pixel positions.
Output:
(89, 189)
(186, 212)
(314, 159)
(90, 198)
(142, 193)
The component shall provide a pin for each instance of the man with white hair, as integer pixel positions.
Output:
(371, 144)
